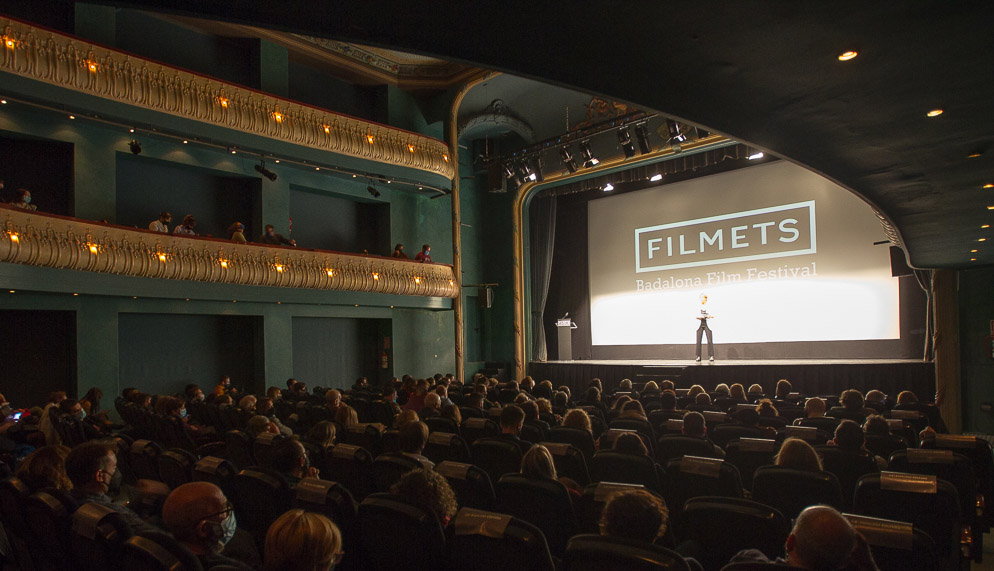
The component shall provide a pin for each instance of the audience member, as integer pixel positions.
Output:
(91, 467)
(302, 541)
(161, 224)
(259, 424)
(333, 401)
(814, 407)
(236, 233)
(578, 418)
(424, 256)
(22, 200)
(630, 443)
(186, 228)
(398, 252)
(269, 236)
(346, 417)
(906, 397)
(430, 491)
(433, 403)
(737, 392)
(512, 418)
(451, 412)
(202, 519)
(322, 434)
(290, 459)
(638, 515)
(799, 455)
(694, 426)
(416, 400)
(411, 439)
(849, 436)
(783, 390)
(45, 468)
(755, 391)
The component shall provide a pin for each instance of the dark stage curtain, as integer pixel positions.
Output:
(543, 241)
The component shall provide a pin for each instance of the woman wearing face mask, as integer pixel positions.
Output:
(71, 407)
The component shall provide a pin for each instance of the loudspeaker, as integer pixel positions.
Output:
(485, 299)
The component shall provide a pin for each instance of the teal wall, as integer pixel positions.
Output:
(976, 302)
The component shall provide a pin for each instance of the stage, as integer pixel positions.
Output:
(808, 376)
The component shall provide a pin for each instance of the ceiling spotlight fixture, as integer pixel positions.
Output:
(625, 141)
(642, 136)
(656, 177)
(756, 155)
(261, 169)
(3, 101)
(848, 55)
(675, 131)
(989, 185)
(589, 160)
(526, 171)
(135, 146)
(537, 168)
(934, 113)
(372, 190)
(510, 173)
(568, 161)
(608, 187)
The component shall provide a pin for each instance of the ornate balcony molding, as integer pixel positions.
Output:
(56, 242)
(74, 64)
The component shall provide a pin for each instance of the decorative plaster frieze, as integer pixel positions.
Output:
(74, 64)
(56, 242)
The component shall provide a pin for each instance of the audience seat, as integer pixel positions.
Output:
(896, 544)
(368, 436)
(441, 424)
(749, 454)
(239, 449)
(263, 446)
(333, 500)
(390, 440)
(692, 477)
(388, 468)
(475, 428)
(790, 490)
(725, 433)
(826, 423)
(592, 502)
(14, 496)
(611, 466)
(176, 467)
(259, 496)
(317, 455)
(47, 514)
(600, 553)
(675, 446)
(569, 462)
(884, 445)
(926, 502)
(471, 484)
(750, 566)
(809, 434)
(351, 466)
(96, 538)
(381, 412)
(658, 418)
(543, 503)
(446, 446)
(487, 541)
(643, 427)
(151, 551)
(144, 459)
(577, 437)
(394, 534)
(532, 433)
(725, 526)
(847, 467)
(470, 412)
(217, 471)
(497, 457)
(979, 453)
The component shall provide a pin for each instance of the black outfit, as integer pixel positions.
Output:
(701, 331)
(522, 445)
(275, 239)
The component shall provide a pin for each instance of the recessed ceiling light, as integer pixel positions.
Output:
(985, 226)
(990, 207)
(934, 113)
(989, 185)
(981, 239)
(973, 251)
(973, 259)
(848, 55)
(973, 155)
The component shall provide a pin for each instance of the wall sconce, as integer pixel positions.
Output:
(279, 268)
(376, 276)
(163, 258)
(14, 237)
(224, 263)
(224, 102)
(417, 279)
(370, 139)
(331, 273)
(94, 249)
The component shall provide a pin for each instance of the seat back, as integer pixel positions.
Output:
(848, 467)
(601, 553)
(441, 424)
(239, 450)
(979, 453)
(333, 500)
(826, 423)
(446, 446)
(576, 437)
(217, 471)
(569, 462)
(532, 433)
(672, 446)
(263, 446)
(475, 428)
(471, 484)
(790, 490)
(884, 445)
(926, 502)
(483, 541)
(176, 467)
(368, 436)
(259, 496)
(748, 454)
(611, 466)
(144, 459)
(724, 433)
(693, 476)
(382, 519)
(543, 503)
(96, 535)
(896, 544)
(150, 551)
(351, 466)
(593, 500)
(48, 518)
(946, 465)
(497, 457)
(388, 469)
(728, 525)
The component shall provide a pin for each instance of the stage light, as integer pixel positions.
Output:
(135, 146)
(656, 177)
(526, 172)
(848, 55)
(589, 160)
(676, 134)
(934, 113)
(537, 168)
(642, 136)
(625, 141)
(608, 187)
(755, 156)
(261, 169)
(372, 190)
(568, 161)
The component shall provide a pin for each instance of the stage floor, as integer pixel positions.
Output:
(737, 362)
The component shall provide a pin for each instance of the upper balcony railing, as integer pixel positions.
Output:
(69, 62)
(48, 240)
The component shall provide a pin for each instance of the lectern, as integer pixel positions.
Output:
(565, 327)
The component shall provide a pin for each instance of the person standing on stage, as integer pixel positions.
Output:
(703, 328)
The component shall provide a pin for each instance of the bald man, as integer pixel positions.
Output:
(822, 540)
(200, 517)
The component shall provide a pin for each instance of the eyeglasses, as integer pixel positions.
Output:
(225, 512)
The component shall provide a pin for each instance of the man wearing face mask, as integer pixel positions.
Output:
(161, 224)
(72, 408)
(200, 517)
(290, 459)
(91, 467)
(424, 256)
